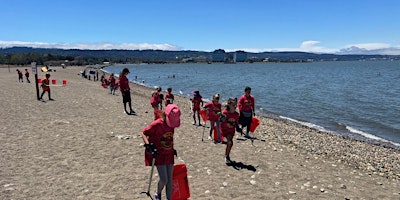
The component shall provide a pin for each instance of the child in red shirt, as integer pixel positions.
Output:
(229, 123)
(46, 87)
(126, 91)
(196, 102)
(159, 135)
(213, 109)
(246, 109)
(169, 97)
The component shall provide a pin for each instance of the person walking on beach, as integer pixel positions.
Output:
(246, 109)
(46, 87)
(197, 101)
(20, 76)
(213, 109)
(156, 102)
(126, 91)
(229, 123)
(27, 76)
(169, 97)
(113, 83)
(159, 135)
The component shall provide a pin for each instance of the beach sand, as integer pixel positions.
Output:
(82, 146)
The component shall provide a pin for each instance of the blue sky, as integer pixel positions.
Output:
(321, 26)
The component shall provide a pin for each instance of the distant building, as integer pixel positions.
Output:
(218, 55)
(240, 56)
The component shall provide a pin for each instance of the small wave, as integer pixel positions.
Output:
(308, 124)
(370, 136)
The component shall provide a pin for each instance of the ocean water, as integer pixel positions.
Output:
(359, 99)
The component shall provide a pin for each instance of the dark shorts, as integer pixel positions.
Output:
(244, 120)
(126, 97)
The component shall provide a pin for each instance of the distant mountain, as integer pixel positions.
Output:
(82, 57)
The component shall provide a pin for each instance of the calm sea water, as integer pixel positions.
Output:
(360, 99)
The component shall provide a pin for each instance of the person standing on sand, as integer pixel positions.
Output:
(27, 75)
(196, 102)
(159, 135)
(169, 97)
(229, 123)
(20, 76)
(213, 108)
(246, 109)
(113, 85)
(126, 91)
(46, 87)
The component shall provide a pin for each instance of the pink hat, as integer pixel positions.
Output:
(173, 116)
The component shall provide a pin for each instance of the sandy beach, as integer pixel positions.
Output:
(82, 146)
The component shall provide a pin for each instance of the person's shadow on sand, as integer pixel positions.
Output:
(240, 165)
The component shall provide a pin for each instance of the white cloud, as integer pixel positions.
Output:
(92, 46)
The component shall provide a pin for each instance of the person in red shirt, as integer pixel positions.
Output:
(159, 135)
(27, 76)
(126, 91)
(213, 109)
(229, 123)
(169, 97)
(20, 76)
(113, 83)
(46, 87)
(156, 102)
(197, 101)
(246, 109)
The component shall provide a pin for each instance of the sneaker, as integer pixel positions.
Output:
(157, 197)
(133, 112)
(228, 160)
(209, 138)
(51, 99)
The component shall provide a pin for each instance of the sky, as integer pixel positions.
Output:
(318, 26)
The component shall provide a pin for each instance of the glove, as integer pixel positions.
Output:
(150, 148)
(222, 117)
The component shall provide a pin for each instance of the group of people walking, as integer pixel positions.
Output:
(158, 135)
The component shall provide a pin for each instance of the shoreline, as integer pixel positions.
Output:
(82, 146)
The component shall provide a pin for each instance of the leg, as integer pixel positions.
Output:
(218, 123)
(211, 127)
(165, 174)
(194, 117)
(41, 96)
(229, 145)
(170, 170)
(198, 117)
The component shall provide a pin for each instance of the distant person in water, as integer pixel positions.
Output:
(246, 109)
(126, 91)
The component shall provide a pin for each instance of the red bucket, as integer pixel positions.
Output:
(180, 183)
(39, 80)
(53, 81)
(64, 82)
(216, 135)
(104, 85)
(203, 114)
(254, 124)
